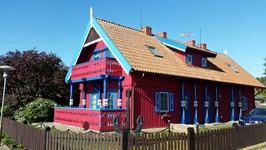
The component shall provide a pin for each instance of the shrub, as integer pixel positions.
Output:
(40, 110)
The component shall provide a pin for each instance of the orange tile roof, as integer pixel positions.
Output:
(131, 43)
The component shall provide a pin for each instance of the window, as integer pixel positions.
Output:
(234, 69)
(244, 102)
(154, 51)
(111, 100)
(204, 62)
(107, 53)
(189, 59)
(93, 99)
(164, 102)
(96, 56)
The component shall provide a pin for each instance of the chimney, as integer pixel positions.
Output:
(202, 45)
(146, 30)
(162, 34)
(191, 43)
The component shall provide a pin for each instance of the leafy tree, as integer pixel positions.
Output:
(37, 75)
(263, 81)
(40, 110)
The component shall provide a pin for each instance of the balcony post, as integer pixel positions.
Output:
(71, 95)
(84, 95)
(100, 97)
(105, 87)
(216, 104)
(119, 101)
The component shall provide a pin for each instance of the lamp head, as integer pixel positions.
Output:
(7, 68)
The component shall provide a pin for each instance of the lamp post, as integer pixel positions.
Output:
(5, 69)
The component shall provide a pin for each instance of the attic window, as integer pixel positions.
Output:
(154, 51)
(234, 69)
(204, 62)
(189, 59)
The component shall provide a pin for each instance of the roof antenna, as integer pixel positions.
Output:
(187, 34)
(140, 14)
(91, 12)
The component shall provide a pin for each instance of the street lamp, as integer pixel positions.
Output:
(5, 69)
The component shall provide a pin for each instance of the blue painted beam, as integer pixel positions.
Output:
(172, 43)
(94, 86)
(71, 95)
(183, 118)
(195, 104)
(240, 103)
(84, 95)
(217, 104)
(206, 103)
(232, 104)
(105, 89)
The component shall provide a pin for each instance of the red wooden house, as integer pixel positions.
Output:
(170, 80)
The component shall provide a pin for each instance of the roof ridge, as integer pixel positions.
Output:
(97, 18)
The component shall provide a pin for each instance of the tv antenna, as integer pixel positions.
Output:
(187, 34)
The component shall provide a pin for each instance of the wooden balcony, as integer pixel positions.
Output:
(100, 120)
(95, 68)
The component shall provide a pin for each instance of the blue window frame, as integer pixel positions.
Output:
(94, 100)
(203, 62)
(107, 53)
(96, 54)
(189, 59)
(111, 98)
(164, 101)
(244, 101)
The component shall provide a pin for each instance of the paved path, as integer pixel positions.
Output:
(4, 147)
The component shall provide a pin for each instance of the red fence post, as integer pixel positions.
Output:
(191, 138)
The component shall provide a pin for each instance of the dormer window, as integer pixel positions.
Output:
(189, 59)
(204, 62)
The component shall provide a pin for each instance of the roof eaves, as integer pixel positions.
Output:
(172, 44)
(209, 52)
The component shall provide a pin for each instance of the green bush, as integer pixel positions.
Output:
(40, 110)
(10, 142)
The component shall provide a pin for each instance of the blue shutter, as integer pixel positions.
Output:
(171, 102)
(157, 102)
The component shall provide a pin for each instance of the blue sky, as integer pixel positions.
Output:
(57, 26)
